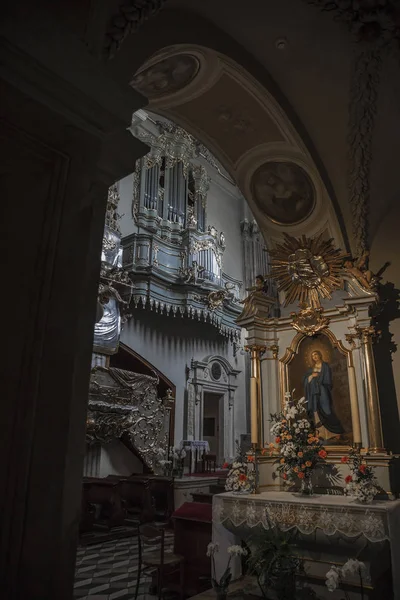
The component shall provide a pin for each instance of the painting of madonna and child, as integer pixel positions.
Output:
(319, 373)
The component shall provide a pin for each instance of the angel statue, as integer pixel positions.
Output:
(193, 273)
(261, 286)
(359, 268)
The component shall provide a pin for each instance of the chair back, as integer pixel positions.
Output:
(152, 539)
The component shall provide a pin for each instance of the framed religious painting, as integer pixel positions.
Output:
(317, 370)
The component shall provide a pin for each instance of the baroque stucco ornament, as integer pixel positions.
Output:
(306, 269)
(131, 15)
(309, 321)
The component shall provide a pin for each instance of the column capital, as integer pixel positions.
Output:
(255, 348)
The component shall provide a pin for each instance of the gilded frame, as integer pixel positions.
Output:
(286, 359)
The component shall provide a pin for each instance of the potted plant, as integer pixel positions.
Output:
(221, 586)
(337, 575)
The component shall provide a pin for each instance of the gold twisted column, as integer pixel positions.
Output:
(255, 397)
(373, 409)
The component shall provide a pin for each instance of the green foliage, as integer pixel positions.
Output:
(274, 562)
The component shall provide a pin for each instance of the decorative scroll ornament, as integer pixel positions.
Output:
(112, 216)
(309, 321)
(216, 299)
(122, 402)
(376, 23)
(306, 269)
(368, 20)
(131, 15)
(362, 112)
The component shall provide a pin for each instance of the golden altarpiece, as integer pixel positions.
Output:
(327, 301)
(325, 326)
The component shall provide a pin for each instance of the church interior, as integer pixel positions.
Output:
(202, 374)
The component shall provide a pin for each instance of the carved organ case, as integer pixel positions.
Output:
(175, 257)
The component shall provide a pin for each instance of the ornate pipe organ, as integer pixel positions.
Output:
(175, 258)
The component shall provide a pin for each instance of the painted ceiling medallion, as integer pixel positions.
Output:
(306, 269)
(166, 76)
(283, 192)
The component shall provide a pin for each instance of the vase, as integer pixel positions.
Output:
(306, 488)
(221, 593)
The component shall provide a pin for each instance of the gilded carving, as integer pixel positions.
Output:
(309, 320)
(359, 269)
(306, 269)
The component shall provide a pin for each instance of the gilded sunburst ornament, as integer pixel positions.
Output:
(306, 269)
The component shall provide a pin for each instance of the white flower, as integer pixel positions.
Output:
(212, 548)
(291, 413)
(237, 550)
(332, 579)
(353, 567)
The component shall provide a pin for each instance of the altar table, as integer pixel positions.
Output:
(376, 522)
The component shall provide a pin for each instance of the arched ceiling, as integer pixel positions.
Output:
(275, 87)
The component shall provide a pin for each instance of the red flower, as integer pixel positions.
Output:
(277, 440)
(284, 476)
(322, 454)
(242, 477)
(363, 468)
(345, 459)
(300, 475)
(225, 465)
(250, 458)
(348, 479)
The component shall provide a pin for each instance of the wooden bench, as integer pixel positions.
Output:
(104, 493)
(136, 496)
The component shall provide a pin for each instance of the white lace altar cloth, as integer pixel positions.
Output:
(332, 515)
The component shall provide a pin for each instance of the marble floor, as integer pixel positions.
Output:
(108, 570)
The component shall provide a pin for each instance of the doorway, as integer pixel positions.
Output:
(213, 424)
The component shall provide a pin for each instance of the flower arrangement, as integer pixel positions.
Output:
(221, 586)
(241, 477)
(178, 454)
(336, 575)
(362, 483)
(300, 450)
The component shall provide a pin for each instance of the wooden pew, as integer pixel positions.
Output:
(103, 492)
(137, 497)
(162, 493)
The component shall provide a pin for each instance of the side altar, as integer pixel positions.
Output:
(331, 530)
(328, 315)
(320, 351)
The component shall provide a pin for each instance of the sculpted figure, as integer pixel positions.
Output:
(261, 286)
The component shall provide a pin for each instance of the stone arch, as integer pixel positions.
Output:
(182, 31)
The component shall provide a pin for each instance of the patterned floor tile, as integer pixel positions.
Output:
(108, 570)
